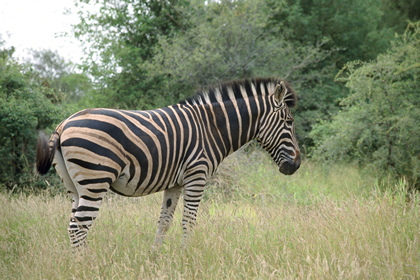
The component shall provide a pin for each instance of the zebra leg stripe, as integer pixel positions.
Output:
(83, 216)
(77, 234)
(192, 197)
(170, 200)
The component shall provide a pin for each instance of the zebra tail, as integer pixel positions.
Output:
(45, 152)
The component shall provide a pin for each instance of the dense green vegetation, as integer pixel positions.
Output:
(25, 106)
(355, 67)
(379, 123)
(33, 96)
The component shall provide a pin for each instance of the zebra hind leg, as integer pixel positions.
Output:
(89, 201)
(61, 169)
(170, 200)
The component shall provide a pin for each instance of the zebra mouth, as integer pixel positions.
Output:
(289, 167)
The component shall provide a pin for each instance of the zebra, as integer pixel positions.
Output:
(173, 149)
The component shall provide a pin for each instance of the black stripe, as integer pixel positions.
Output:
(221, 127)
(93, 166)
(258, 87)
(155, 117)
(210, 143)
(77, 227)
(189, 195)
(237, 90)
(196, 172)
(93, 147)
(97, 190)
(117, 192)
(132, 170)
(192, 202)
(84, 219)
(266, 89)
(86, 208)
(248, 88)
(95, 181)
(196, 191)
(233, 119)
(212, 96)
(85, 197)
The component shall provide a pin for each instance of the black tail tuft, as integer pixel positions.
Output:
(44, 154)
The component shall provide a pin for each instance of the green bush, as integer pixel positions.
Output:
(379, 123)
(24, 109)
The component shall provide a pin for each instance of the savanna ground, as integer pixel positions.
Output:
(254, 223)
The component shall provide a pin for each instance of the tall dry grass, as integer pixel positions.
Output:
(317, 224)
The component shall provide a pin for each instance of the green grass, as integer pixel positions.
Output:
(253, 174)
(317, 224)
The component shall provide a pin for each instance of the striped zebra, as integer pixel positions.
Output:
(175, 148)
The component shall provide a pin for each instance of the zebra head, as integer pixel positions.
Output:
(277, 132)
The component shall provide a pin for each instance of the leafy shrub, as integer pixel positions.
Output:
(24, 109)
(379, 123)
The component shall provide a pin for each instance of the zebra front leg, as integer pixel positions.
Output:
(192, 199)
(170, 200)
(89, 202)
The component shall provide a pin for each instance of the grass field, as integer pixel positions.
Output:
(254, 223)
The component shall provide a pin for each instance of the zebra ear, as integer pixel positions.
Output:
(280, 92)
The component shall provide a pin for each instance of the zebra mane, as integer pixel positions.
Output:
(240, 89)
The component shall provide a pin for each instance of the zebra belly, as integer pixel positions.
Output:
(134, 188)
(120, 186)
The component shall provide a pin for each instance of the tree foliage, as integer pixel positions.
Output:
(60, 75)
(360, 29)
(120, 37)
(379, 124)
(25, 107)
(225, 41)
(348, 30)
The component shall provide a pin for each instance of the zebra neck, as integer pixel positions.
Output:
(230, 125)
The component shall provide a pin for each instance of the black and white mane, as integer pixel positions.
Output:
(229, 90)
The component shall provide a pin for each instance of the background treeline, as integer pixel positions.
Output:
(355, 65)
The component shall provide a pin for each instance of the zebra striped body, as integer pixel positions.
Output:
(136, 153)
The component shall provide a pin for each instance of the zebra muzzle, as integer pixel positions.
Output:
(289, 167)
